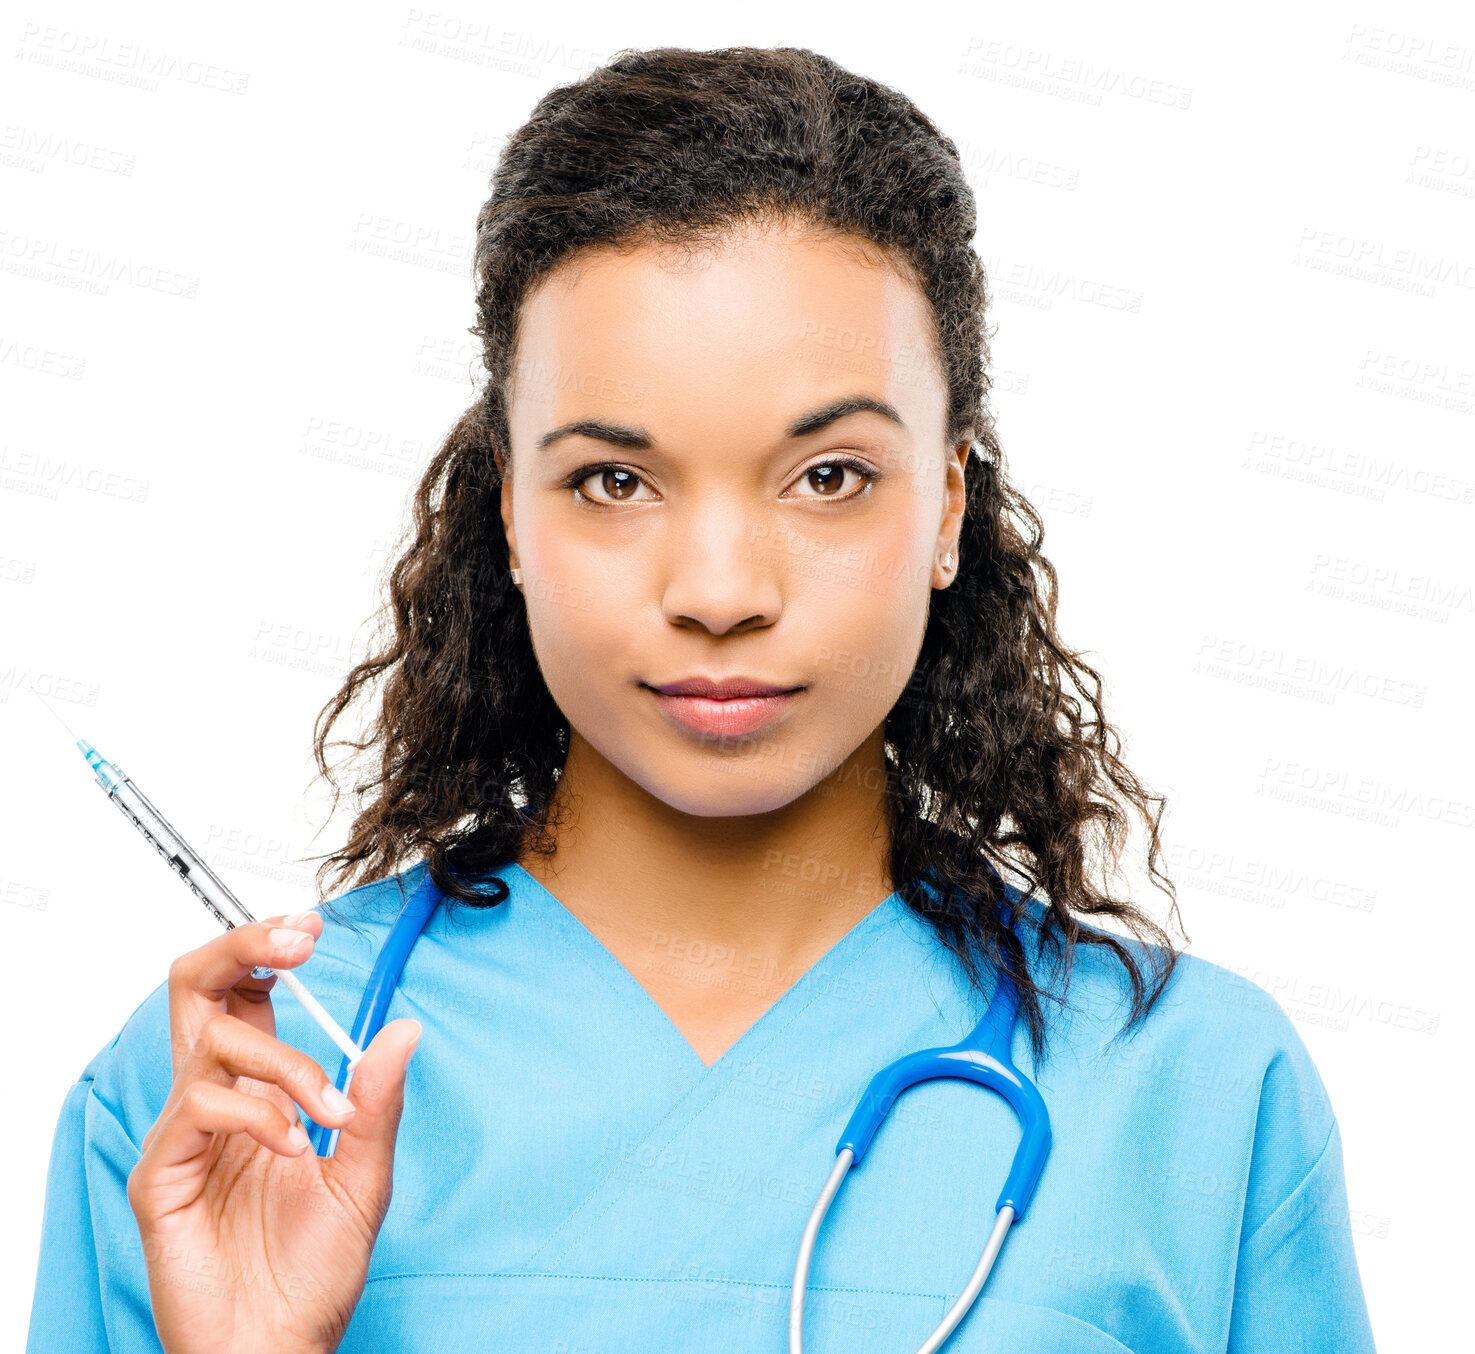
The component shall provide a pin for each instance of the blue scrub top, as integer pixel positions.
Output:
(570, 1177)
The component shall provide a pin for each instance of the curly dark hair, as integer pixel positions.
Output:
(989, 751)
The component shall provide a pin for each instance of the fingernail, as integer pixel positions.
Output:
(298, 1138)
(414, 1039)
(298, 921)
(336, 1101)
(288, 940)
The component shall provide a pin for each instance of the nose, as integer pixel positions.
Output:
(722, 575)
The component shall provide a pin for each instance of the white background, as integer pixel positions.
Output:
(1234, 371)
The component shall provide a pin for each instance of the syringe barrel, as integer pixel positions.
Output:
(188, 866)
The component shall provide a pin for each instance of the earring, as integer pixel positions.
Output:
(947, 560)
(517, 578)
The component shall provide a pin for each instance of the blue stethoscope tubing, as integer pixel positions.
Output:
(383, 979)
(984, 1056)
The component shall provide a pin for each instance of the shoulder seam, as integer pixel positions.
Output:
(1295, 1189)
(91, 1093)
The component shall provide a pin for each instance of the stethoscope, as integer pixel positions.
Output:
(983, 1056)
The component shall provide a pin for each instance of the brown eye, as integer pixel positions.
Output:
(614, 484)
(828, 479)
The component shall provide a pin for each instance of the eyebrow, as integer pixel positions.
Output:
(637, 439)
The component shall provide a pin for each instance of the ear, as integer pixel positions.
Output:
(505, 466)
(954, 498)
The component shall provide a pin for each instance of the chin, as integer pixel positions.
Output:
(737, 789)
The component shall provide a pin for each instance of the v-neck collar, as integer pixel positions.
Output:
(580, 940)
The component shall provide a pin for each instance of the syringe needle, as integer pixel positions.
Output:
(54, 715)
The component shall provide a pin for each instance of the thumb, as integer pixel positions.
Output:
(364, 1156)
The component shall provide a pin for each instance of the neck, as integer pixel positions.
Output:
(769, 892)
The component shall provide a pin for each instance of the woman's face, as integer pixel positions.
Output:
(689, 499)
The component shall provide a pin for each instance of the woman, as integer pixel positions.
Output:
(735, 430)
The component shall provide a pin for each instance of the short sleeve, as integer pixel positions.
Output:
(1297, 1289)
(91, 1294)
(67, 1310)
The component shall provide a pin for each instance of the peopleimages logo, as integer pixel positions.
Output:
(130, 64)
(1075, 79)
(87, 269)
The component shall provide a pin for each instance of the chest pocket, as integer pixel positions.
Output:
(590, 1314)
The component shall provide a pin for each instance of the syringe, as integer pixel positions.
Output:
(202, 882)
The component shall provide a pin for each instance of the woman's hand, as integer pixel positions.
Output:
(253, 1241)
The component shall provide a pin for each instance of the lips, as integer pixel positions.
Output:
(728, 688)
(731, 707)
